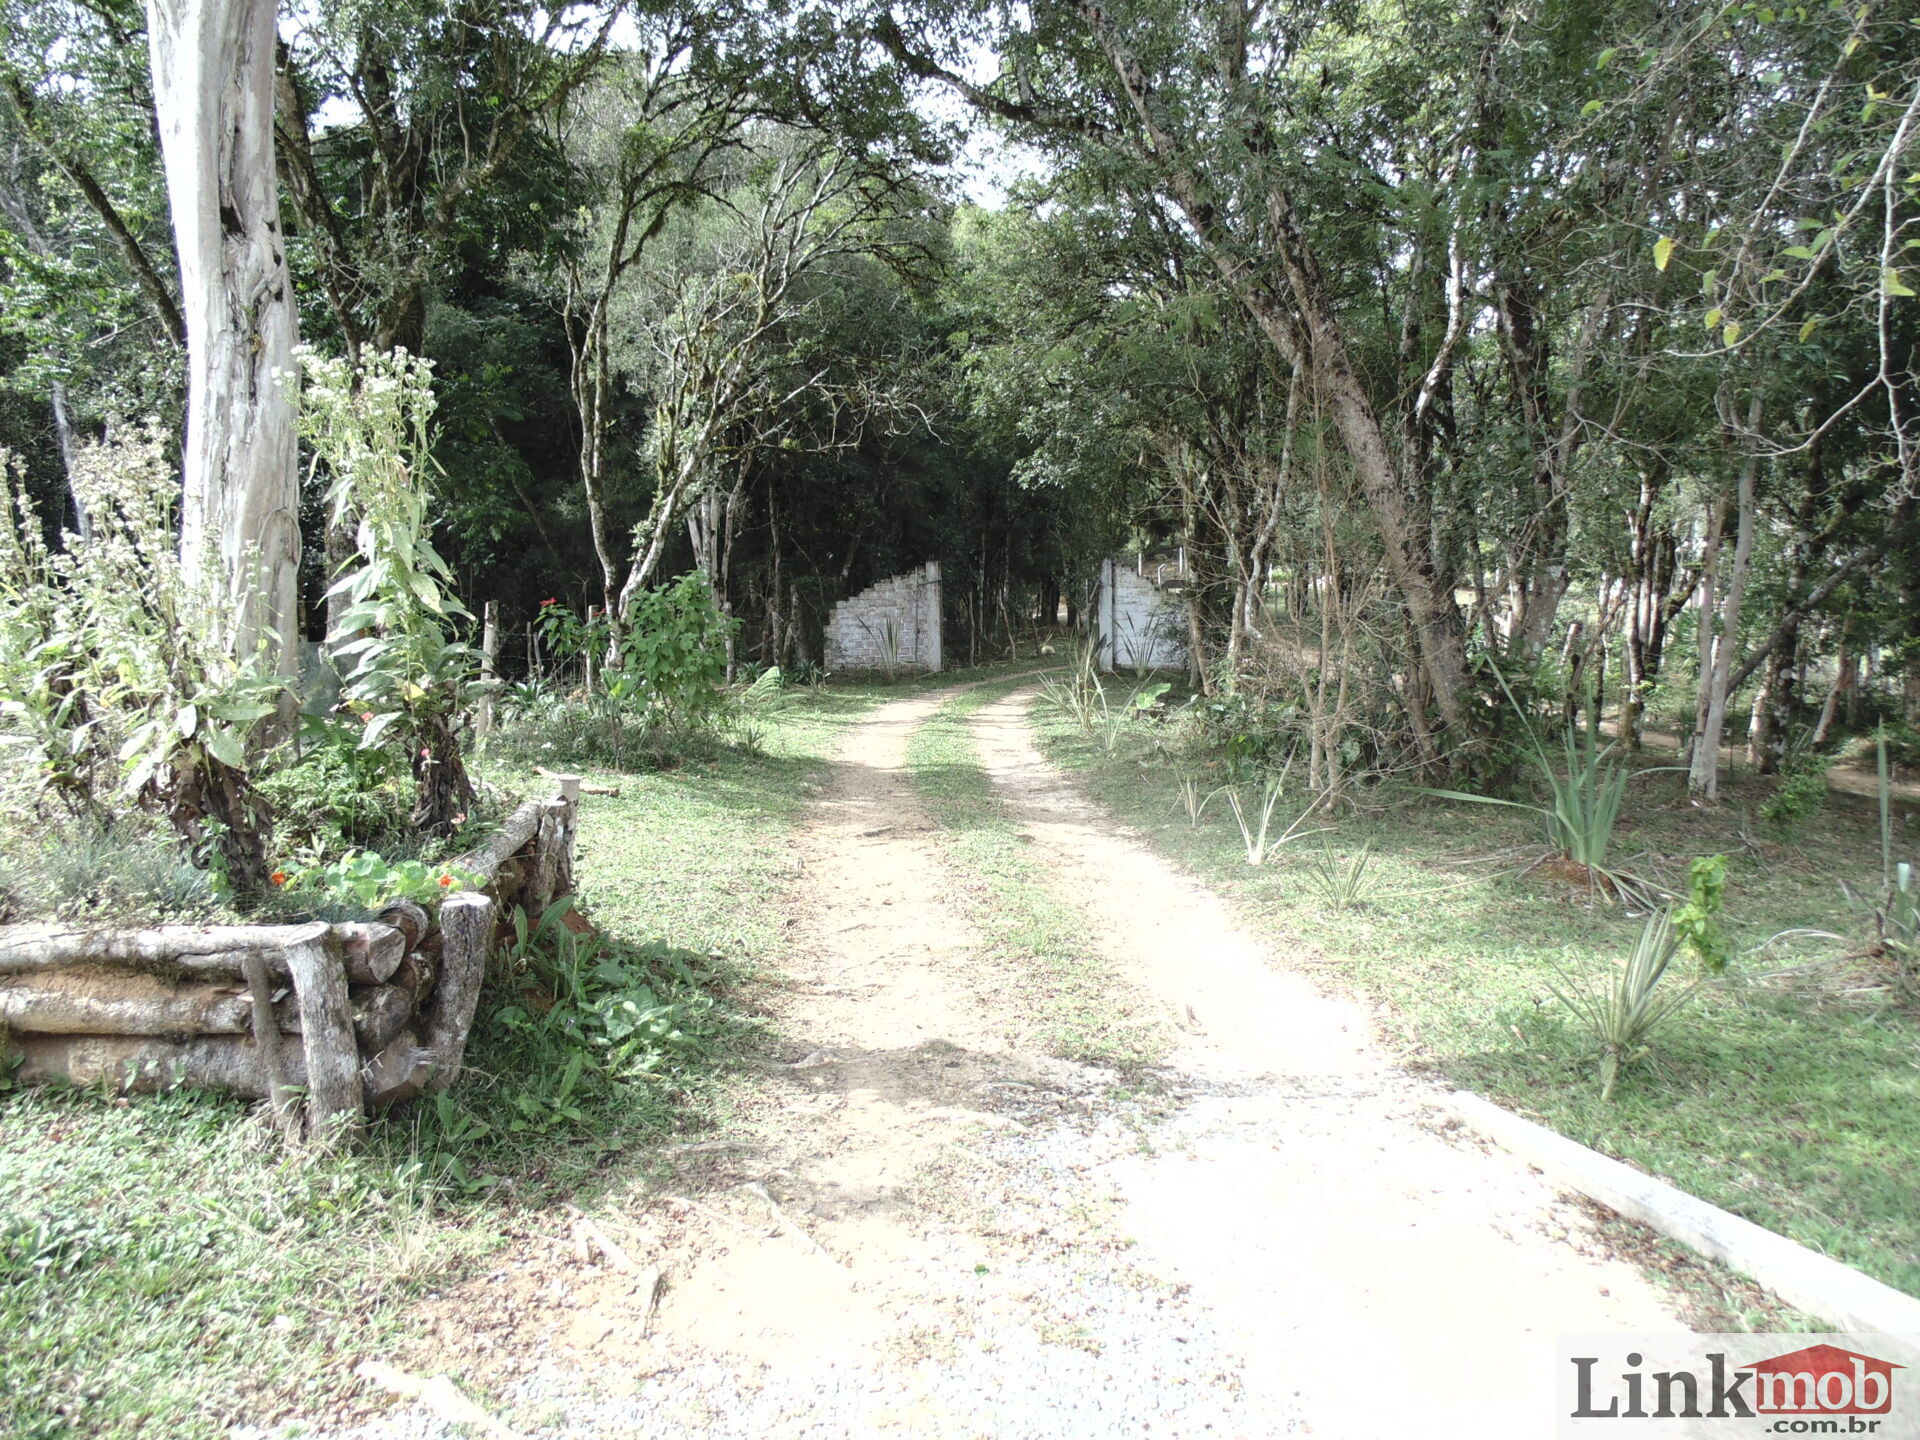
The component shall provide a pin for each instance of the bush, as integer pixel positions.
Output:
(1801, 793)
(598, 733)
(116, 658)
(339, 795)
(674, 653)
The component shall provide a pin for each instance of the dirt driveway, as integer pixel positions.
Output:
(915, 1228)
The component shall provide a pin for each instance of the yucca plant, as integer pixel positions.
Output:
(1346, 883)
(1254, 816)
(1624, 1012)
(1079, 694)
(1193, 798)
(1585, 800)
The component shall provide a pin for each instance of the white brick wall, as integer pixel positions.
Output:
(903, 613)
(1139, 623)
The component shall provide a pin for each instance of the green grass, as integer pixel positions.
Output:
(1797, 1108)
(167, 1269)
(1054, 973)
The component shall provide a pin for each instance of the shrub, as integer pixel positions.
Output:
(673, 654)
(339, 795)
(128, 869)
(598, 732)
(405, 671)
(114, 656)
(1801, 793)
(1624, 1011)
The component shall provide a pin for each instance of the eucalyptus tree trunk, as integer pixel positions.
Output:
(213, 97)
(1719, 634)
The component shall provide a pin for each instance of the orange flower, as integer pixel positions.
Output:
(279, 877)
(445, 881)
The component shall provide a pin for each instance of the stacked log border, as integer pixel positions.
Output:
(359, 1015)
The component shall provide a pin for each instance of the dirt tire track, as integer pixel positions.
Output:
(913, 1228)
(1312, 1202)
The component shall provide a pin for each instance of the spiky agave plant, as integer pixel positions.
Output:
(1624, 1012)
(1342, 883)
(1584, 805)
(1079, 694)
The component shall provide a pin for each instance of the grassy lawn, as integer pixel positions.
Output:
(1056, 976)
(1783, 1099)
(166, 1268)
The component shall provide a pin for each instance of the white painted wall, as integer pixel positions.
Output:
(906, 607)
(1139, 623)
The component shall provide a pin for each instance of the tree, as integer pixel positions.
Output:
(710, 353)
(645, 138)
(213, 96)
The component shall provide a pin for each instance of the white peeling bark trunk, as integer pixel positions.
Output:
(1719, 635)
(213, 95)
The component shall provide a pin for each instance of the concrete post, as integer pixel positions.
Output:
(1103, 616)
(930, 618)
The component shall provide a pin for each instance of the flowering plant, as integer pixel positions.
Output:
(369, 879)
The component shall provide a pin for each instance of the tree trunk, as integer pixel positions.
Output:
(1847, 668)
(1719, 634)
(371, 953)
(213, 97)
(442, 791)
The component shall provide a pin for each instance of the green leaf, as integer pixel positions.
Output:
(224, 745)
(1807, 328)
(241, 712)
(377, 727)
(1662, 252)
(1894, 285)
(1713, 318)
(1731, 334)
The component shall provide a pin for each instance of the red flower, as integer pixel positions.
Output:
(279, 877)
(550, 602)
(445, 881)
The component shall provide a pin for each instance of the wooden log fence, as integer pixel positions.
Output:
(357, 1015)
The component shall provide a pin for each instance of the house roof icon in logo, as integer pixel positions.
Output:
(1823, 1380)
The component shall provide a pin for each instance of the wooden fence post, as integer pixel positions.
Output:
(326, 1038)
(466, 935)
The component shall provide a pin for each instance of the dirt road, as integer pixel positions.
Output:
(916, 1228)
